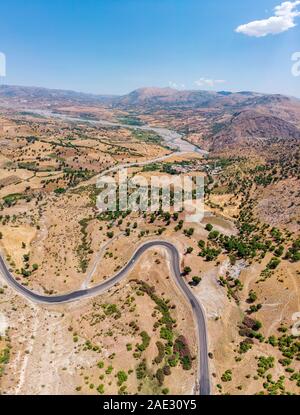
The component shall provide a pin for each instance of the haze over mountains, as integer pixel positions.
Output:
(217, 119)
(149, 96)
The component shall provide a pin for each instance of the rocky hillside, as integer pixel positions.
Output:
(253, 127)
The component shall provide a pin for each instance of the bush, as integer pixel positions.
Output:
(181, 348)
(187, 270)
(257, 326)
(109, 370)
(213, 235)
(141, 370)
(227, 376)
(273, 264)
(186, 362)
(122, 377)
(60, 191)
(252, 297)
(161, 352)
(245, 346)
(160, 376)
(166, 334)
(201, 244)
(145, 341)
(173, 360)
(188, 232)
(100, 389)
(264, 364)
(196, 280)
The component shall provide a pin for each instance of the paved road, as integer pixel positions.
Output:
(199, 314)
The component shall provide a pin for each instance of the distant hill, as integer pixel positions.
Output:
(217, 120)
(149, 97)
(250, 125)
(168, 97)
(36, 94)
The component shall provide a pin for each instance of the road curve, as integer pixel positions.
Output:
(198, 311)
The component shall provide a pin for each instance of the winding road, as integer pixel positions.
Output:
(199, 314)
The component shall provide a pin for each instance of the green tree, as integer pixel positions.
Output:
(209, 227)
(196, 280)
(187, 270)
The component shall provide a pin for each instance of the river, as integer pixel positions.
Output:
(172, 139)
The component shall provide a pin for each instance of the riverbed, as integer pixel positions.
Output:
(171, 139)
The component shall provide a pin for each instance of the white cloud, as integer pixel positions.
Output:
(205, 82)
(175, 85)
(283, 20)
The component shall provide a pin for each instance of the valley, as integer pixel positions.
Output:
(240, 263)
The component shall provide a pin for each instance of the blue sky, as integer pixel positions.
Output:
(115, 46)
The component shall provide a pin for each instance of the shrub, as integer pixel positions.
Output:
(227, 376)
(245, 346)
(160, 376)
(166, 334)
(188, 232)
(181, 348)
(209, 227)
(196, 280)
(141, 370)
(60, 191)
(109, 370)
(122, 377)
(145, 341)
(173, 360)
(252, 297)
(213, 235)
(264, 364)
(201, 244)
(273, 264)
(161, 352)
(187, 270)
(100, 389)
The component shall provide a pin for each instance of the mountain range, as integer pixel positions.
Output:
(216, 119)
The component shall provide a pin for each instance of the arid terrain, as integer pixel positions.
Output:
(241, 261)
